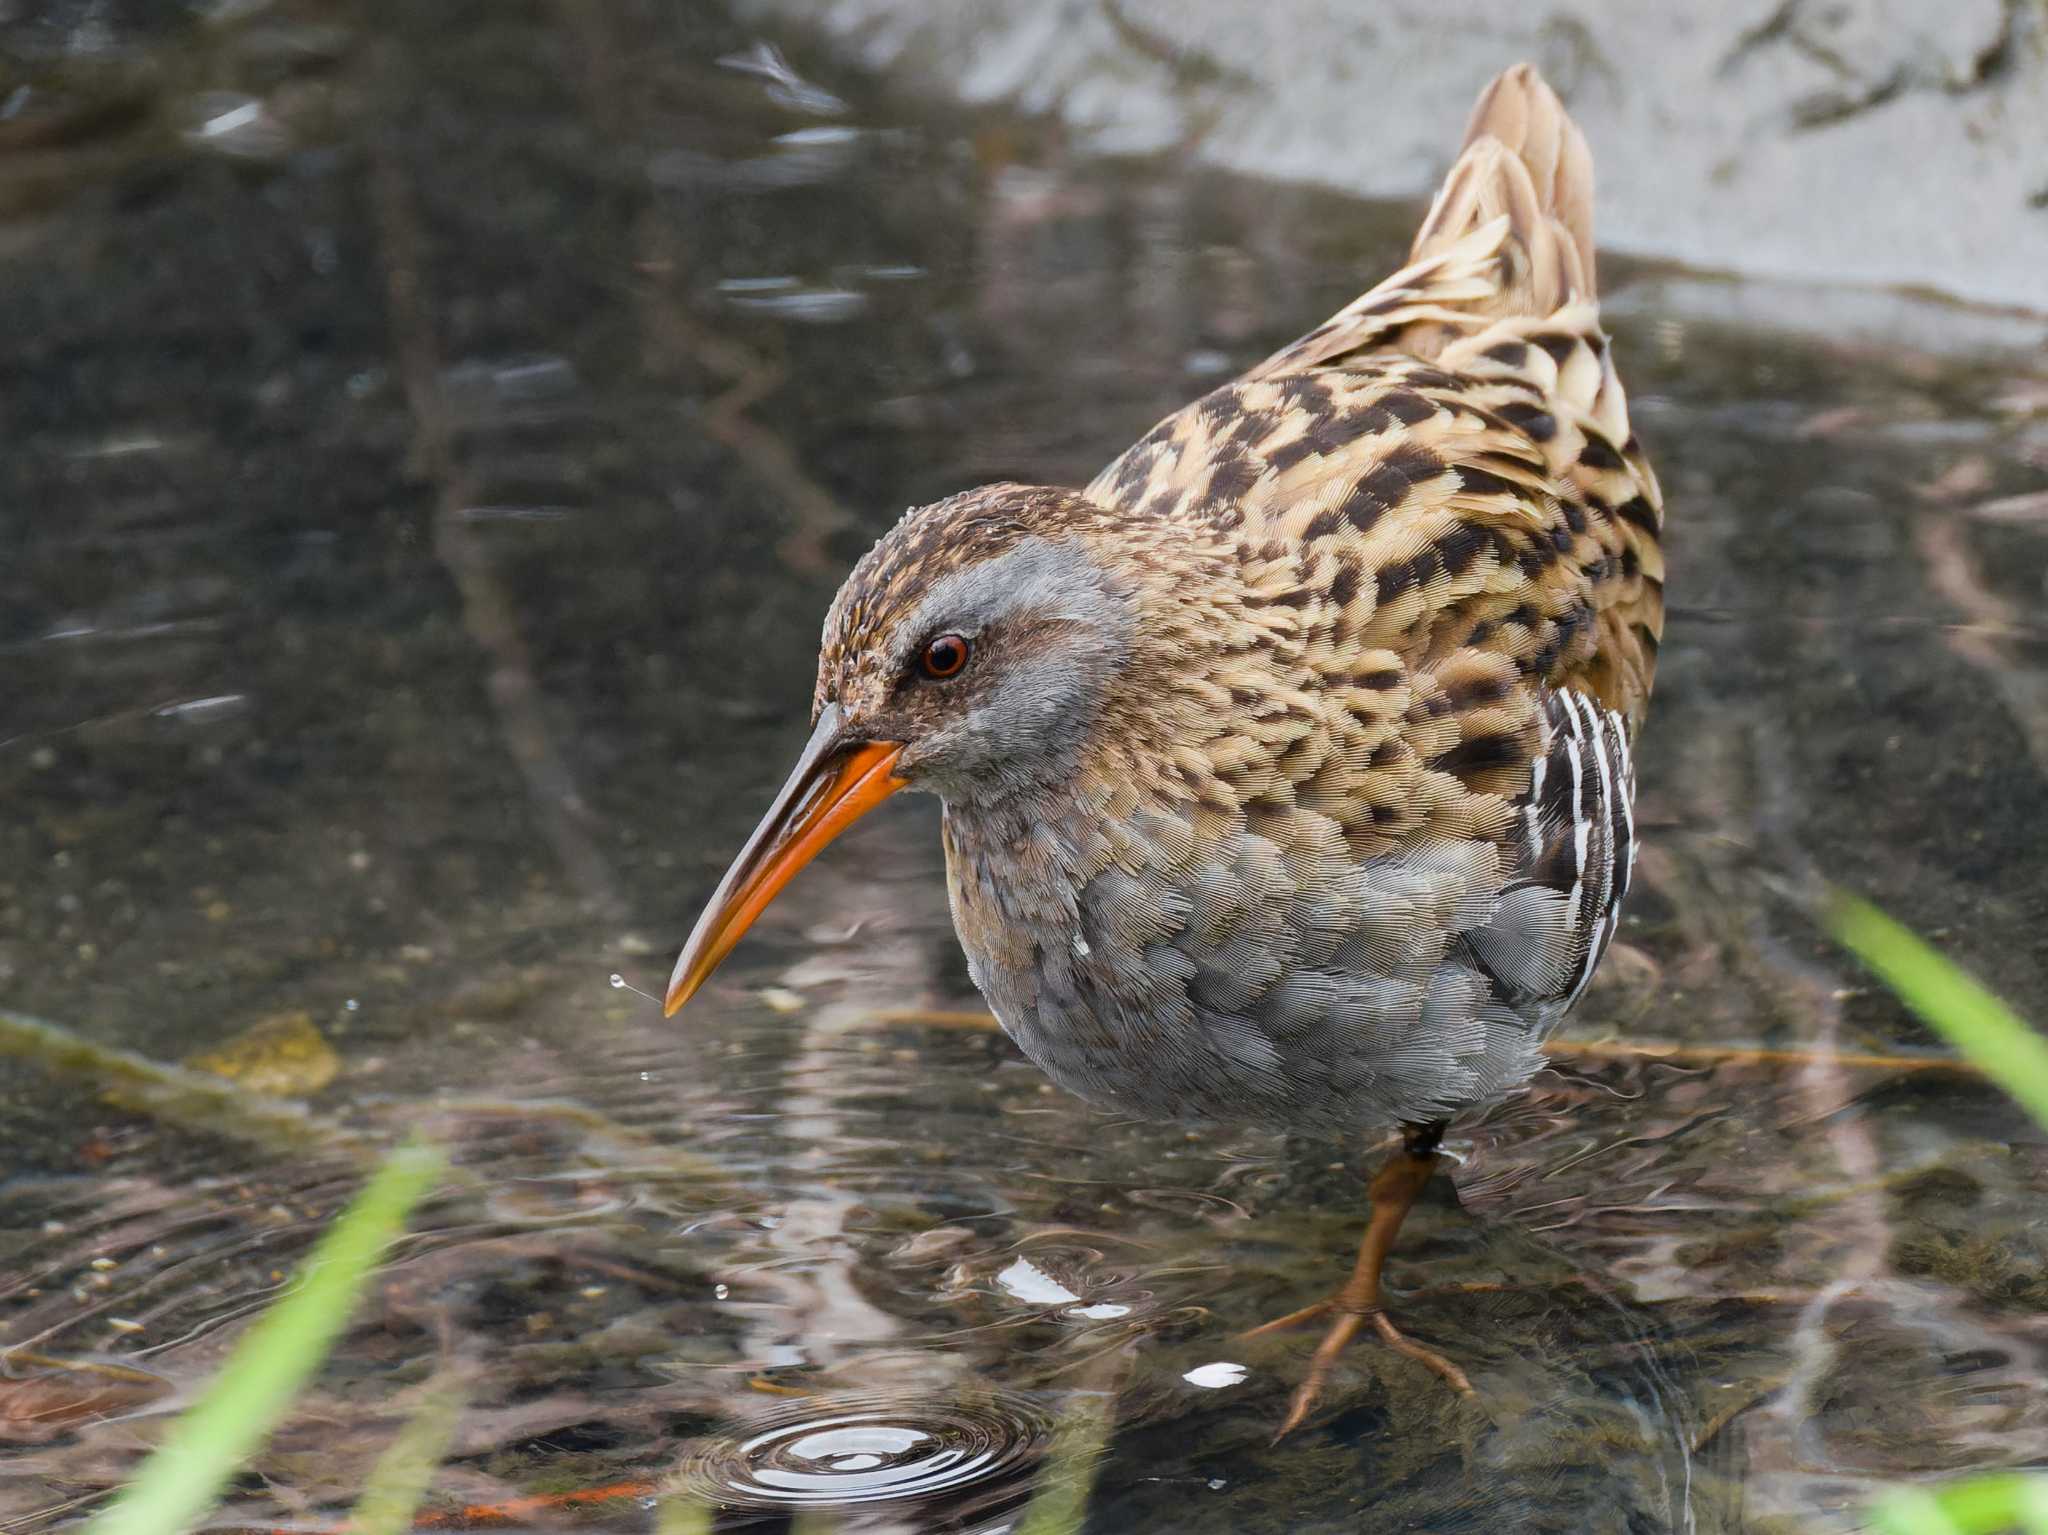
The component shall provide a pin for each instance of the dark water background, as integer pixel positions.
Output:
(429, 436)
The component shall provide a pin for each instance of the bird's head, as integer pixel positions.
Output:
(974, 652)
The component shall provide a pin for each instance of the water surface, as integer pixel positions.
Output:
(433, 436)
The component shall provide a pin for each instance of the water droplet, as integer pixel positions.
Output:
(620, 983)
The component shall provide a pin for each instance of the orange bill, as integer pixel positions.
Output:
(834, 784)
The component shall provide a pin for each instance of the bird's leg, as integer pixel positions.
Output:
(1393, 1192)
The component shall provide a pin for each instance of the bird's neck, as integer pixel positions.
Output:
(1204, 630)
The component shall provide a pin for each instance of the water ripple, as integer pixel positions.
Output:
(871, 1448)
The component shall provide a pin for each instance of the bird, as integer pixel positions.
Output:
(1287, 767)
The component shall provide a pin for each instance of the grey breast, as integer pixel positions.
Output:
(1294, 986)
(1250, 983)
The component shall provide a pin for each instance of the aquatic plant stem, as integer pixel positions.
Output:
(1964, 1013)
(1060, 1503)
(273, 1361)
(403, 1473)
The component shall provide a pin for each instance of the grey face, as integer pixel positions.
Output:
(1047, 632)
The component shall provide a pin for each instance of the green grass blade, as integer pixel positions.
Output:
(1977, 1023)
(1913, 1511)
(680, 1518)
(1060, 1503)
(273, 1361)
(1992, 1037)
(402, 1474)
(1993, 1504)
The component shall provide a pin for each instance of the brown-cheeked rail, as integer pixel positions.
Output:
(1286, 767)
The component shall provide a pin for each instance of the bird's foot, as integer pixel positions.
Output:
(1350, 1316)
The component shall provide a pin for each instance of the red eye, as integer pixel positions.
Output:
(945, 656)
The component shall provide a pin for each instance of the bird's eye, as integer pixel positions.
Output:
(944, 656)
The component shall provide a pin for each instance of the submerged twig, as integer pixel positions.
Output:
(1575, 1049)
(1751, 1055)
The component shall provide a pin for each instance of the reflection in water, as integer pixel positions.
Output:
(430, 532)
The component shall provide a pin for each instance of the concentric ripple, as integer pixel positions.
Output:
(874, 1448)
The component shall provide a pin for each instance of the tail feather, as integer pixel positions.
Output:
(1526, 159)
(1509, 237)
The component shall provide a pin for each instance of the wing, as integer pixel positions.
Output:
(1461, 421)
(1442, 486)
(1576, 854)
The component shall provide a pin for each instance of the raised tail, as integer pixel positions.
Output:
(1525, 159)
(1510, 236)
(1498, 296)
